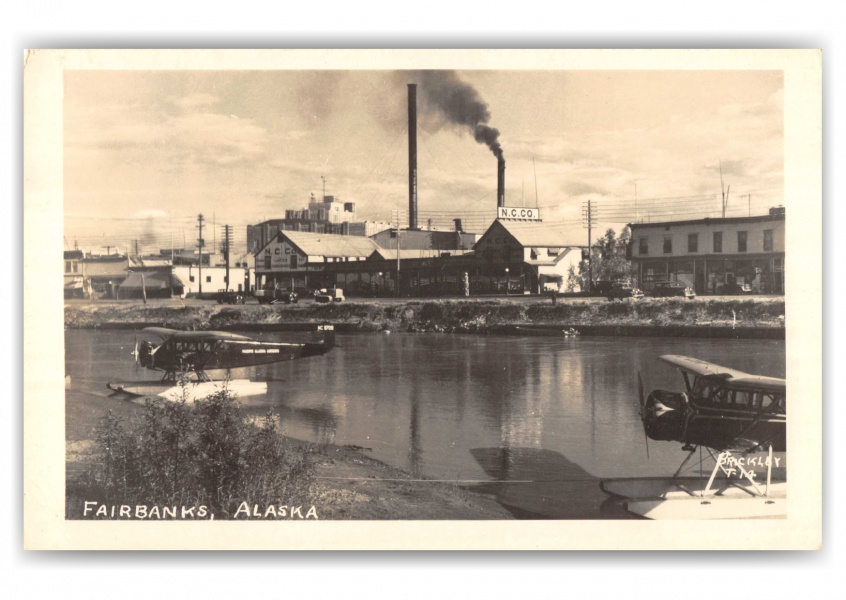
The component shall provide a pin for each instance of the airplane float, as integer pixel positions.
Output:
(183, 354)
(731, 417)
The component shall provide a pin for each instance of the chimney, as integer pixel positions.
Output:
(500, 181)
(412, 156)
(458, 227)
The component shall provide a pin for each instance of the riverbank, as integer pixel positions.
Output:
(341, 482)
(704, 317)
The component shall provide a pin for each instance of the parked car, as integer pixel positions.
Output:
(737, 289)
(621, 291)
(615, 290)
(672, 288)
(229, 297)
(329, 295)
(272, 296)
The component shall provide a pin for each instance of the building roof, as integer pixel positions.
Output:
(540, 234)
(327, 244)
(710, 221)
(551, 260)
(149, 262)
(426, 239)
(114, 265)
(150, 281)
(408, 253)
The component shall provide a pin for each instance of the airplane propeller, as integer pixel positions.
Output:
(641, 411)
(135, 354)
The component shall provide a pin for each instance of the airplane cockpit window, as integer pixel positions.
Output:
(720, 395)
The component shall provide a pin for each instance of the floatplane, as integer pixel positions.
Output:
(185, 356)
(735, 421)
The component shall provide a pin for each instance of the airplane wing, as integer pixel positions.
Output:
(163, 332)
(166, 333)
(759, 383)
(701, 368)
(212, 336)
(738, 379)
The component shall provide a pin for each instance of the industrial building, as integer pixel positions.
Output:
(524, 257)
(328, 215)
(713, 256)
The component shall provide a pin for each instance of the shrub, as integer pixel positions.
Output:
(207, 454)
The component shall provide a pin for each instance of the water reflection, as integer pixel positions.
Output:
(539, 483)
(468, 407)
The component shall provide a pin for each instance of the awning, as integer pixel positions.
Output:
(150, 281)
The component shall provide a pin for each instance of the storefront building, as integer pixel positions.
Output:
(713, 256)
(302, 261)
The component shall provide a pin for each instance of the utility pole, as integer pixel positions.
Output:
(588, 218)
(323, 179)
(136, 248)
(200, 246)
(227, 237)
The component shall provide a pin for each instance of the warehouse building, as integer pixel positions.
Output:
(303, 261)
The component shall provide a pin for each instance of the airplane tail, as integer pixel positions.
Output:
(325, 336)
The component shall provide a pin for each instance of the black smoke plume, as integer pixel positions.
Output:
(460, 104)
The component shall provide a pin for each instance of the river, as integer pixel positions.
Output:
(536, 421)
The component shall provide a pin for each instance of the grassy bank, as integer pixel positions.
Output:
(207, 460)
(459, 316)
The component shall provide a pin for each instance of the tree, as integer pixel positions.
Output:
(609, 262)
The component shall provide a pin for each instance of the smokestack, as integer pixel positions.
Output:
(412, 156)
(500, 181)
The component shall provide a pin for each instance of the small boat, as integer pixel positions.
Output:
(547, 332)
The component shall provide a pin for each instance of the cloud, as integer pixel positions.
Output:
(150, 213)
(191, 137)
(194, 101)
(316, 94)
(577, 188)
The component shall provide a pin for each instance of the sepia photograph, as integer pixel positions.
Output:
(467, 290)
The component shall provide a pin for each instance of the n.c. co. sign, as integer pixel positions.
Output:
(525, 214)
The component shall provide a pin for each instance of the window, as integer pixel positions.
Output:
(294, 261)
(718, 241)
(768, 240)
(693, 242)
(668, 245)
(267, 262)
(67, 266)
(741, 241)
(643, 246)
(208, 278)
(191, 279)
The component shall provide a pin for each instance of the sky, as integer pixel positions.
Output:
(145, 152)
